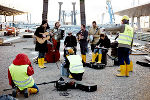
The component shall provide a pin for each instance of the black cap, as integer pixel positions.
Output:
(44, 21)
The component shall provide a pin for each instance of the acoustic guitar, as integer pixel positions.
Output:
(42, 40)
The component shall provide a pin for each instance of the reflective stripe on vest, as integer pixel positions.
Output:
(127, 36)
(24, 84)
(20, 77)
(76, 65)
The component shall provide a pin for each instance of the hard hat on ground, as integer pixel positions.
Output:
(70, 51)
(125, 17)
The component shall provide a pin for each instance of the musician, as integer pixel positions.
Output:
(56, 33)
(104, 41)
(83, 35)
(70, 41)
(41, 48)
(94, 34)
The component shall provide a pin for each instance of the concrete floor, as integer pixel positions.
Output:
(109, 87)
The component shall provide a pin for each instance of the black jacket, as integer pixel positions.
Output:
(105, 42)
(40, 47)
(70, 41)
(83, 41)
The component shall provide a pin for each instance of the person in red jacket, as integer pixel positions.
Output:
(20, 76)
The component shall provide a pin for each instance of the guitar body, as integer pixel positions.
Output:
(42, 40)
(53, 54)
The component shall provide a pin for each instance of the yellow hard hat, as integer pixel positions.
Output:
(125, 17)
(70, 51)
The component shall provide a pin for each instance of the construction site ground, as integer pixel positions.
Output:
(109, 87)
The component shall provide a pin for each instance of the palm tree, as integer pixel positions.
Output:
(82, 12)
(45, 9)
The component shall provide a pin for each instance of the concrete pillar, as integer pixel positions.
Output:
(13, 18)
(5, 18)
(138, 23)
(63, 14)
(74, 12)
(13, 22)
(71, 17)
(60, 3)
(132, 21)
(27, 18)
(30, 18)
(149, 21)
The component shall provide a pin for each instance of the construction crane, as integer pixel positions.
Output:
(110, 11)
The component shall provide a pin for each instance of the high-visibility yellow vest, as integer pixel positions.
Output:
(127, 36)
(20, 77)
(76, 65)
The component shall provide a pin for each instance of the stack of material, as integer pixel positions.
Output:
(144, 37)
(1, 40)
(144, 48)
(147, 58)
(4, 44)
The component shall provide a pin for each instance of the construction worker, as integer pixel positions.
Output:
(75, 65)
(70, 41)
(19, 75)
(94, 33)
(104, 41)
(125, 40)
(41, 48)
(83, 35)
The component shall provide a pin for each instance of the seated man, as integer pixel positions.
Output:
(70, 41)
(74, 65)
(19, 75)
(104, 41)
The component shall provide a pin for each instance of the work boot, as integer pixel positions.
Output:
(131, 66)
(70, 76)
(43, 63)
(32, 90)
(123, 71)
(99, 58)
(26, 93)
(40, 62)
(14, 91)
(93, 57)
(83, 58)
(127, 70)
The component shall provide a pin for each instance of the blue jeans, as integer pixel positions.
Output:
(98, 50)
(41, 55)
(35, 86)
(123, 55)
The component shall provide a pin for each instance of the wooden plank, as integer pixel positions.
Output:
(139, 54)
(1, 40)
(6, 44)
